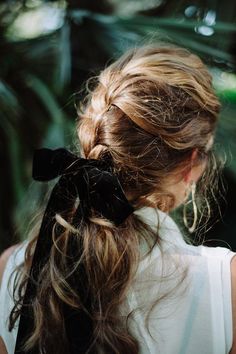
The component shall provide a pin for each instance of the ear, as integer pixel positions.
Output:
(193, 171)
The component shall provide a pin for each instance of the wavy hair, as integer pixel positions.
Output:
(147, 111)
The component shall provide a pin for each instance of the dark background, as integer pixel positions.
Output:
(47, 51)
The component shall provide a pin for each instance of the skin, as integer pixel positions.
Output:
(179, 188)
(3, 349)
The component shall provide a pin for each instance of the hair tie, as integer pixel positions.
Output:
(97, 188)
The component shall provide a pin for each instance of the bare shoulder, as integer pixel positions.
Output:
(3, 349)
(3, 260)
(233, 287)
(4, 257)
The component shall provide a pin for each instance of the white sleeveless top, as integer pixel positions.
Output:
(191, 286)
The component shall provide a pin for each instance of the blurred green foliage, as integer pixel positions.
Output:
(47, 51)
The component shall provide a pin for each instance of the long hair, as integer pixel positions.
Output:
(147, 112)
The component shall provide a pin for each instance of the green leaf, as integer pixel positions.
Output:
(9, 104)
(46, 96)
(13, 150)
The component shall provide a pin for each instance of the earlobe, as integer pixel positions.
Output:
(194, 155)
(187, 176)
(193, 173)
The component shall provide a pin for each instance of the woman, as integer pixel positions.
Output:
(146, 132)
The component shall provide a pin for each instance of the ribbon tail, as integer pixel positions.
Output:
(58, 202)
(78, 323)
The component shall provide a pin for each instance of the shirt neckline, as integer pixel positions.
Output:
(163, 223)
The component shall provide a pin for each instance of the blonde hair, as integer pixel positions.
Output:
(148, 111)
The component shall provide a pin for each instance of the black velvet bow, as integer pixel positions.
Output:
(92, 185)
(91, 180)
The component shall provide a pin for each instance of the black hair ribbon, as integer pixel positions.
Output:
(96, 187)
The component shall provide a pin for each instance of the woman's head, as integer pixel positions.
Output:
(154, 113)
